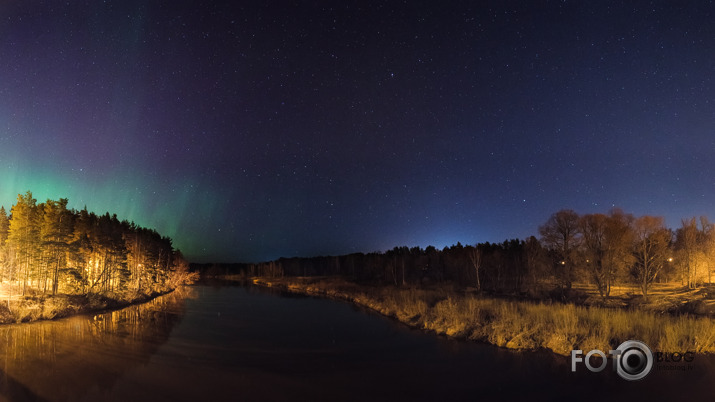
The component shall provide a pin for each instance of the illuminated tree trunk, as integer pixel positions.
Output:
(475, 256)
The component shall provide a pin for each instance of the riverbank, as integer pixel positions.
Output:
(515, 324)
(49, 307)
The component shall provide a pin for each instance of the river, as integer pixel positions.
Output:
(221, 343)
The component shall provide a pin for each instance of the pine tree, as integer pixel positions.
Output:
(56, 234)
(23, 238)
(4, 227)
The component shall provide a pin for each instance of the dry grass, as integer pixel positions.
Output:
(518, 324)
(28, 309)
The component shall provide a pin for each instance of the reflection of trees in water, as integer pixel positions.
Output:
(62, 360)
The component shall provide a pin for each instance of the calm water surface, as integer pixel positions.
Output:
(245, 343)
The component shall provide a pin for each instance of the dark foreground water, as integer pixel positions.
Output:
(250, 344)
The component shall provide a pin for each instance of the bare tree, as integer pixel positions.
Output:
(475, 256)
(593, 229)
(650, 250)
(687, 249)
(618, 256)
(708, 235)
(561, 234)
(607, 243)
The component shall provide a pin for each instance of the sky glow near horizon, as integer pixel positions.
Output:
(247, 132)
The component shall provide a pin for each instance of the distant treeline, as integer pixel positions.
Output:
(48, 248)
(604, 249)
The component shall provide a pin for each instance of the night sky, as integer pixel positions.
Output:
(249, 131)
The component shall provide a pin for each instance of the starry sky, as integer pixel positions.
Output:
(248, 131)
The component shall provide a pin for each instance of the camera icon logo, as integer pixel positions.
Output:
(632, 360)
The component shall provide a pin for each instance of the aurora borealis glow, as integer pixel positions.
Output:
(247, 132)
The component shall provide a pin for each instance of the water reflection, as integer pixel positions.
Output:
(65, 359)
